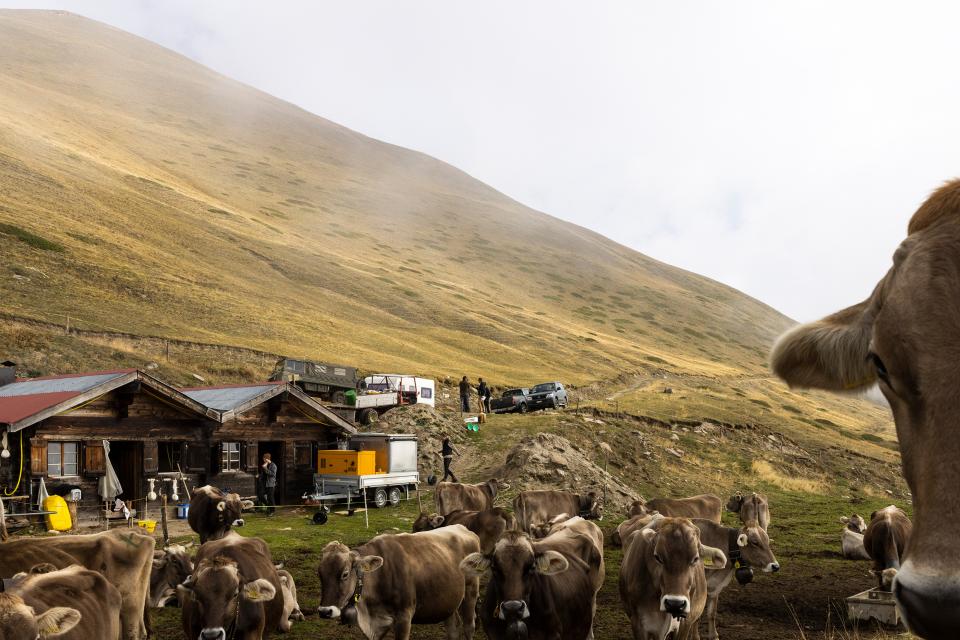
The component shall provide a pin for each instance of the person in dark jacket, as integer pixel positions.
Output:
(483, 391)
(465, 395)
(448, 451)
(268, 473)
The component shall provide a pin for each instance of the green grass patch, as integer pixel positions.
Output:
(29, 238)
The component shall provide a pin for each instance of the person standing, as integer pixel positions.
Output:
(448, 451)
(269, 475)
(486, 398)
(464, 395)
(482, 392)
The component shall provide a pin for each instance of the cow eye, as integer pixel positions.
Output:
(346, 574)
(695, 560)
(656, 556)
(880, 367)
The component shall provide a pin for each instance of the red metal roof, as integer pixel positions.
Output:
(16, 408)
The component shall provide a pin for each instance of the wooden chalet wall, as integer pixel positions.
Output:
(135, 420)
(294, 435)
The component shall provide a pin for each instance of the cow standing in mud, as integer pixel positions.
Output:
(395, 581)
(906, 336)
(662, 582)
(885, 539)
(532, 508)
(540, 589)
(213, 513)
(455, 496)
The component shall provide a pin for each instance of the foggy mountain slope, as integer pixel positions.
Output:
(144, 193)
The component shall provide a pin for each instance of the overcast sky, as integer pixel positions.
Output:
(777, 147)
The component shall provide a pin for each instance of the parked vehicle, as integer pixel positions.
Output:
(548, 395)
(511, 400)
(329, 382)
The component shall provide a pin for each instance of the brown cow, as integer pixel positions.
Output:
(851, 538)
(886, 538)
(213, 513)
(747, 547)
(67, 604)
(706, 506)
(488, 525)
(395, 581)
(539, 589)
(234, 591)
(906, 336)
(123, 556)
(751, 508)
(171, 566)
(625, 528)
(662, 583)
(454, 496)
(537, 507)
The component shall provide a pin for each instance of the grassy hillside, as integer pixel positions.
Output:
(146, 194)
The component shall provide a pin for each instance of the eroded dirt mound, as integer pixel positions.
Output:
(430, 426)
(548, 461)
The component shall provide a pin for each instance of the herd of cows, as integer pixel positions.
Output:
(543, 565)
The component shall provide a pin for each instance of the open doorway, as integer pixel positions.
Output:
(127, 461)
(275, 449)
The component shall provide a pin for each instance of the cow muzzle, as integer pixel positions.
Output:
(773, 567)
(929, 603)
(517, 630)
(329, 613)
(514, 610)
(238, 522)
(676, 606)
(216, 633)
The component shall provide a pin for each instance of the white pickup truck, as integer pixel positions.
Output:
(381, 392)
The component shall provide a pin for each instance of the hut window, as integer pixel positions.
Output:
(170, 454)
(230, 456)
(63, 459)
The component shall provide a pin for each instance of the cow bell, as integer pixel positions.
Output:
(348, 615)
(744, 575)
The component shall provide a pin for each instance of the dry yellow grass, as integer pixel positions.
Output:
(765, 472)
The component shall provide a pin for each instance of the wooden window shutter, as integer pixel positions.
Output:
(302, 455)
(216, 455)
(198, 457)
(94, 463)
(253, 461)
(151, 459)
(38, 457)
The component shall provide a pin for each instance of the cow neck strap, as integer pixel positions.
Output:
(358, 591)
(236, 617)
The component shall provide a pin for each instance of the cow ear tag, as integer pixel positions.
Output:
(707, 561)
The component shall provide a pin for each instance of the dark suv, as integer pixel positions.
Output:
(548, 395)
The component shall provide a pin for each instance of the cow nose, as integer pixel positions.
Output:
(513, 609)
(238, 522)
(929, 604)
(676, 606)
(774, 567)
(328, 612)
(213, 634)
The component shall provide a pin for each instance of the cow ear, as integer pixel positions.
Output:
(550, 562)
(246, 505)
(437, 521)
(259, 590)
(712, 557)
(742, 540)
(828, 354)
(57, 621)
(475, 565)
(221, 505)
(844, 519)
(369, 564)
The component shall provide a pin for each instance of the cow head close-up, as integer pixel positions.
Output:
(341, 572)
(754, 545)
(218, 594)
(514, 566)
(906, 338)
(19, 621)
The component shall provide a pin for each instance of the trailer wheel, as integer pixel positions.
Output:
(394, 496)
(368, 417)
(320, 517)
(380, 498)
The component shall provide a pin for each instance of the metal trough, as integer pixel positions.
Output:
(873, 604)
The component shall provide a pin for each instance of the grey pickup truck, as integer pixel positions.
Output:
(511, 400)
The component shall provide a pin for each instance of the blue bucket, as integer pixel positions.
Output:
(183, 510)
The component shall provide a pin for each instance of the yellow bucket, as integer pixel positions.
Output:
(148, 525)
(59, 520)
